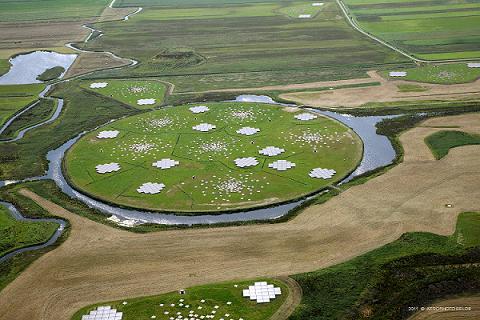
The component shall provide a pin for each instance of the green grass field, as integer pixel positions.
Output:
(18, 234)
(299, 8)
(441, 142)
(411, 88)
(130, 91)
(441, 73)
(428, 29)
(229, 45)
(13, 98)
(191, 303)
(387, 280)
(29, 10)
(4, 66)
(207, 178)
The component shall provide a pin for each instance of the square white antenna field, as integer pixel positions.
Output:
(271, 151)
(108, 134)
(248, 131)
(151, 188)
(199, 109)
(98, 85)
(143, 102)
(305, 116)
(107, 168)
(262, 292)
(204, 127)
(397, 74)
(281, 165)
(320, 173)
(103, 313)
(165, 164)
(246, 162)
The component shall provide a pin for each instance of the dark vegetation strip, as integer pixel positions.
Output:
(412, 271)
(442, 141)
(37, 114)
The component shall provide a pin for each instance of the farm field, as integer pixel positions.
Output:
(131, 91)
(18, 234)
(15, 97)
(431, 30)
(50, 10)
(222, 300)
(234, 46)
(204, 174)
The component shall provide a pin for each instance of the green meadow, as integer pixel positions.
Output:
(441, 73)
(18, 234)
(130, 91)
(428, 29)
(207, 178)
(13, 11)
(223, 300)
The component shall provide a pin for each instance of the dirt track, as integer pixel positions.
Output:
(98, 263)
(386, 92)
(473, 302)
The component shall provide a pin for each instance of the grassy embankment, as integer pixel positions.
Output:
(435, 30)
(14, 98)
(212, 294)
(411, 271)
(441, 142)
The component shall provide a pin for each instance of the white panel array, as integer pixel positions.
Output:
(281, 165)
(305, 116)
(143, 102)
(246, 162)
(199, 109)
(474, 65)
(204, 127)
(248, 131)
(108, 134)
(151, 188)
(98, 85)
(317, 4)
(271, 151)
(103, 313)
(107, 168)
(262, 292)
(398, 74)
(320, 173)
(305, 16)
(165, 164)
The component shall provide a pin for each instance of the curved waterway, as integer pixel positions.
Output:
(378, 152)
(18, 216)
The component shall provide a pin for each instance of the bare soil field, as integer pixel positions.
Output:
(98, 263)
(92, 61)
(473, 302)
(388, 91)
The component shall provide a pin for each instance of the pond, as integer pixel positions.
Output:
(25, 68)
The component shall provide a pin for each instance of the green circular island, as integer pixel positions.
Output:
(212, 158)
